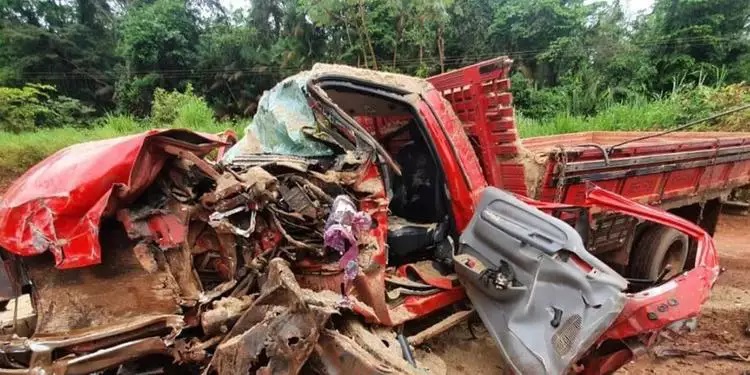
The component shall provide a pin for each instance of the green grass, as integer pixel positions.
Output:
(18, 152)
(646, 114)
(638, 115)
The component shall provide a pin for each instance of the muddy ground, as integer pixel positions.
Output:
(720, 329)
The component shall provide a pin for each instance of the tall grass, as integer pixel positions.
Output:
(632, 116)
(20, 151)
(646, 114)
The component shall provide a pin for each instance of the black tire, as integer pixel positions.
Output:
(657, 247)
(4, 305)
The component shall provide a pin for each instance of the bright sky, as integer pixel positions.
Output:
(632, 7)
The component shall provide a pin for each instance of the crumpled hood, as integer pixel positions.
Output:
(58, 204)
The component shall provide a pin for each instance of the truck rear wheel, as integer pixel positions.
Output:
(656, 249)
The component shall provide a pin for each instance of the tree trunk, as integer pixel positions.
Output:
(367, 33)
(399, 30)
(348, 37)
(441, 48)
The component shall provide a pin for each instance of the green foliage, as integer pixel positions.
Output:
(685, 37)
(547, 34)
(180, 109)
(37, 106)
(158, 45)
(166, 104)
(19, 151)
(535, 102)
(194, 115)
(66, 44)
(121, 124)
(685, 104)
(575, 57)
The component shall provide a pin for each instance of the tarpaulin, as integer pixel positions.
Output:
(283, 113)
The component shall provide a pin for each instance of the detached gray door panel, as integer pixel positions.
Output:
(542, 296)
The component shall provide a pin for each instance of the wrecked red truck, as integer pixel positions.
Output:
(361, 214)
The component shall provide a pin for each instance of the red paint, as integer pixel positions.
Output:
(458, 161)
(689, 290)
(596, 365)
(420, 306)
(481, 99)
(58, 204)
(680, 183)
(429, 278)
(642, 187)
(576, 194)
(168, 231)
(676, 300)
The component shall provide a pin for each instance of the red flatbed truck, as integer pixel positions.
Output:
(686, 173)
(580, 290)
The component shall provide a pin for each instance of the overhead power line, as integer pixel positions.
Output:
(274, 71)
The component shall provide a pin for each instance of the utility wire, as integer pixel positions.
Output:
(272, 71)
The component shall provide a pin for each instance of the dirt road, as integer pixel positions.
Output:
(720, 329)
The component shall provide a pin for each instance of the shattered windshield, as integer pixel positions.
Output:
(279, 124)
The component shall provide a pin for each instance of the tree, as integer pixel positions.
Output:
(686, 39)
(69, 45)
(573, 55)
(467, 39)
(158, 43)
(543, 36)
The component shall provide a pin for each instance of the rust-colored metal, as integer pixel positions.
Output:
(279, 331)
(357, 352)
(82, 299)
(112, 356)
(99, 348)
(202, 164)
(225, 312)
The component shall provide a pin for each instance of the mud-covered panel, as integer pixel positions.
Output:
(82, 299)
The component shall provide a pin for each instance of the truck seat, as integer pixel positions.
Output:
(409, 241)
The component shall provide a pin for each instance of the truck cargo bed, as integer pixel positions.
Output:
(680, 141)
(669, 169)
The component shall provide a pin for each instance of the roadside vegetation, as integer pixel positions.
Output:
(686, 103)
(21, 150)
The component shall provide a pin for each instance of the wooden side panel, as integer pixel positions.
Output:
(681, 183)
(712, 178)
(642, 188)
(739, 173)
